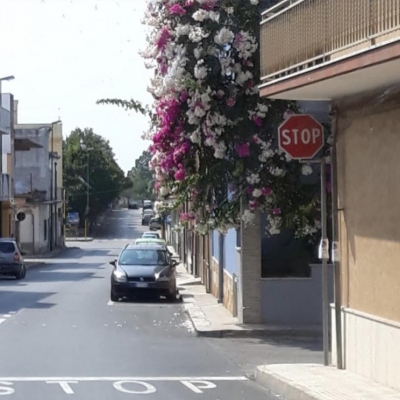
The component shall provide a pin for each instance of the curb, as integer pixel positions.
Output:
(279, 386)
(198, 320)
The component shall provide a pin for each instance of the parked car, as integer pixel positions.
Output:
(150, 241)
(154, 235)
(147, 215)
(155, 223)
(133, 205)
(147, 204)
(143, 269)
(11, 260)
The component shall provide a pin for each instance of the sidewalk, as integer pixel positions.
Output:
(78, 239)
(316, 382)
(39, 259)
(212, 319)
(286, 375)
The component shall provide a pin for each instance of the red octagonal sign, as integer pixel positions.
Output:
(301, 137)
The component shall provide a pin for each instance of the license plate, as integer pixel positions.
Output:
(141, 284)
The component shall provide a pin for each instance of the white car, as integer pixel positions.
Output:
(151, 235)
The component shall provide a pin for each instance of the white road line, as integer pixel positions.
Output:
(125, 378)
(6, 315)
(2, 320)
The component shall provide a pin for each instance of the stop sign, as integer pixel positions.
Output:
(301, 136)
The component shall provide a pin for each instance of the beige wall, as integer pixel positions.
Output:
(228, 299)
(369, 197)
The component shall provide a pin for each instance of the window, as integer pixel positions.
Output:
(143, 257)
(238, 239)
(7, 247)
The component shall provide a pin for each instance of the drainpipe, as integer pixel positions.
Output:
(335, 238)
(221, 264)
(56, 210)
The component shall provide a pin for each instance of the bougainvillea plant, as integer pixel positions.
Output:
(214, 139)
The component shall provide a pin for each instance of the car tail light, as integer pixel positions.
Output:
(16, 257)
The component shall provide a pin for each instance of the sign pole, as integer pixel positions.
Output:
(325, 257)
(302, 137)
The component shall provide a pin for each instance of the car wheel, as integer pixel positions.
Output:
(21, 273)
(113, 295)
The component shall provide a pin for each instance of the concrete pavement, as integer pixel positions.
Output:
(61, 336)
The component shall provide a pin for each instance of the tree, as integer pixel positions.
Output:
(106, 179)
(215, 139)
(142, 178)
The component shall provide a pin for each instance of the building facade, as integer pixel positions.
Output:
(7, 214)
(39, 186)
(348, 53)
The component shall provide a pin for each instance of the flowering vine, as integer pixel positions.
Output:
(214, 139)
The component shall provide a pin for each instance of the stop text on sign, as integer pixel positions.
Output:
(301, 136)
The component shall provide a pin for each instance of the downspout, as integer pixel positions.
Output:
(221, 264)
(335, 237)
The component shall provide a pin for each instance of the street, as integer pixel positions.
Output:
(61, 336)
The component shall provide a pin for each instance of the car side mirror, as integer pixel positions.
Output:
(113, 263)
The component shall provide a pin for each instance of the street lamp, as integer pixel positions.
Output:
(86, 149)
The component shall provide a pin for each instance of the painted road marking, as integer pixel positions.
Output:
(126, 385)
(123, 378)
(5, 317)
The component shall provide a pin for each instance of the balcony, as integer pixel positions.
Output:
(324, 49)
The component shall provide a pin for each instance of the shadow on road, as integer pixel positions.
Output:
(17, 300)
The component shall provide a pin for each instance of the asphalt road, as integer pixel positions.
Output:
(61, 337)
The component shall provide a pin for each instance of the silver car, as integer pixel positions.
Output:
(147, 215)
(11, 261)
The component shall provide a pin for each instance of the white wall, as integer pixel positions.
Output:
(294, 301)
(371, 346)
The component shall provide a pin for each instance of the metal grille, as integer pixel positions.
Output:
(145, 279)
(296, 35)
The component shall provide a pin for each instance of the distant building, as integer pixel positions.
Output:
(39, 186)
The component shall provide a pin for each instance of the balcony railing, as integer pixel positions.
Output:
(298, 35)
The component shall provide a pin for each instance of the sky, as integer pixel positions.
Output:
(66, 54)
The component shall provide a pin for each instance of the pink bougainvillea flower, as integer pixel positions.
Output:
(266, 191)
(177, 9)
(257, 120)
(189, 3)
(209, 5)
(243, 149)
(276, 211)
(253, 204)
(231, 101)
(162, 40)
(184, 96)
(180, 175)
(184, 216)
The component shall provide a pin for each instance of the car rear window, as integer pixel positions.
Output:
(7, 247)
